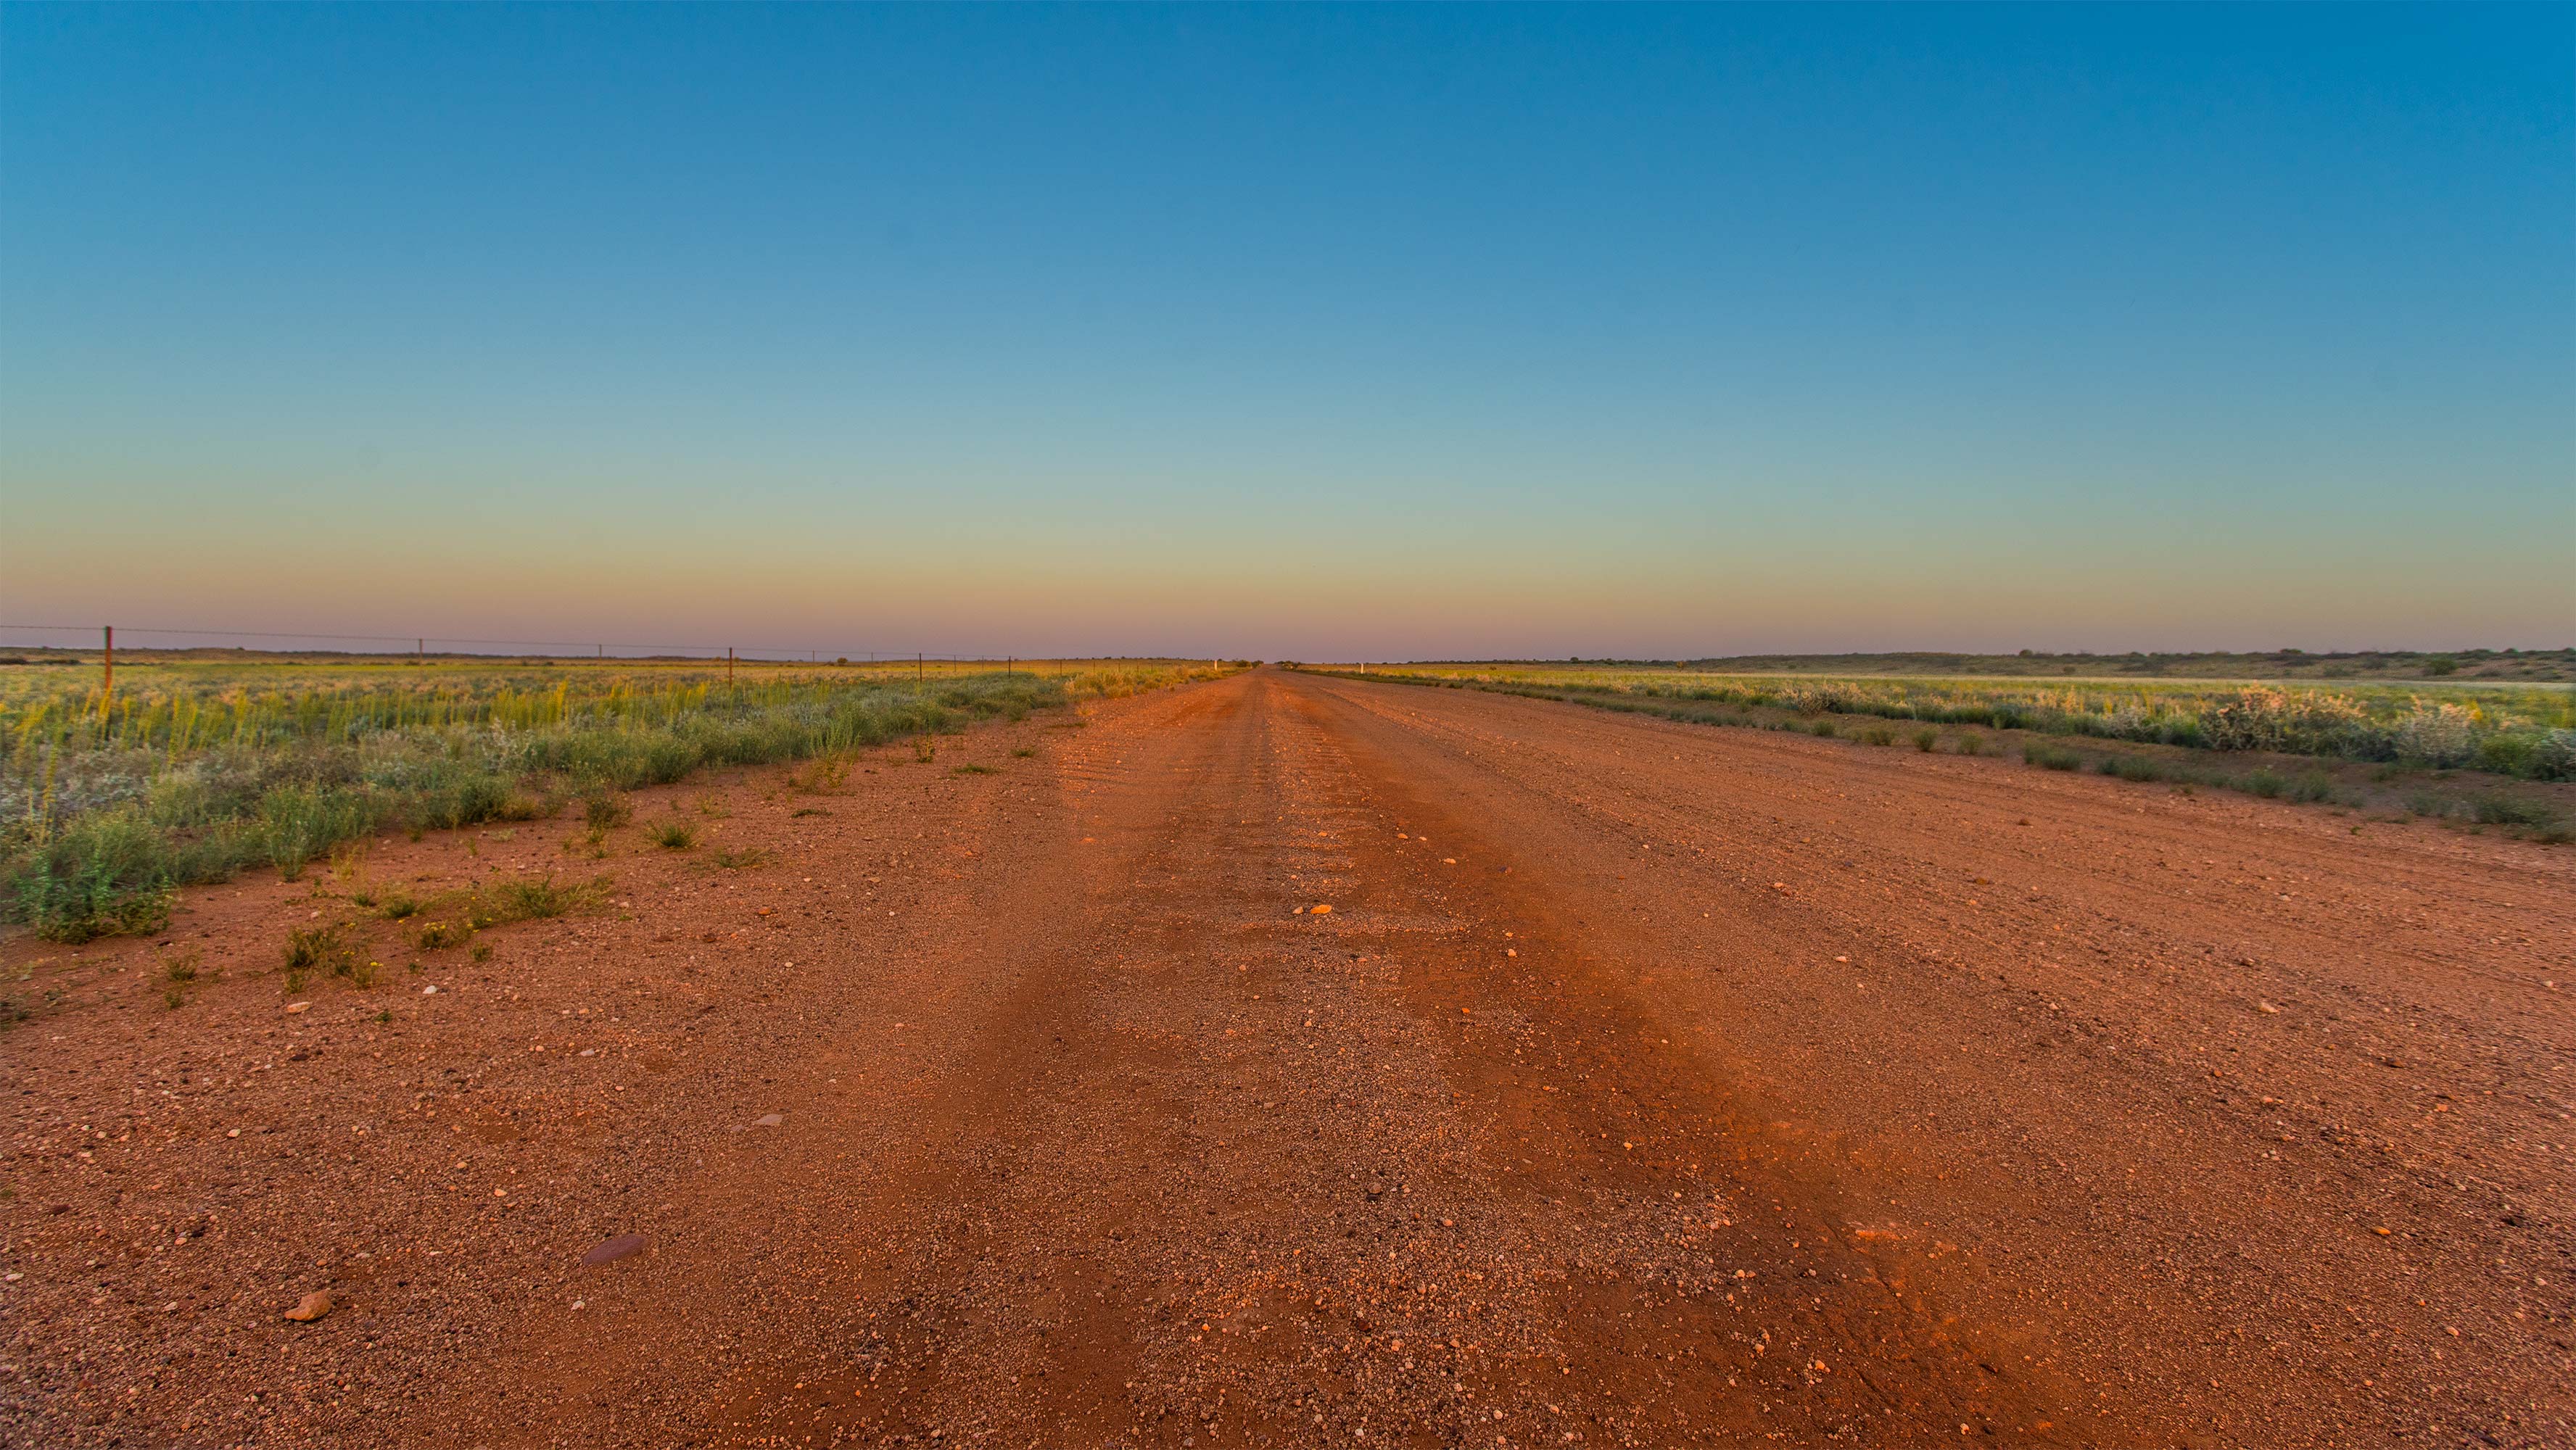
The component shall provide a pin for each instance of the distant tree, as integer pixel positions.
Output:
(2440, 665)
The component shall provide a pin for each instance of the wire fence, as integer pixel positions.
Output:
(376, 646)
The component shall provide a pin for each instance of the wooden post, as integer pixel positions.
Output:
(920, 668)
(107, 675)
(420, 651)
(728, 667)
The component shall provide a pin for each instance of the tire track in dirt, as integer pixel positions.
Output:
(1228, 1172)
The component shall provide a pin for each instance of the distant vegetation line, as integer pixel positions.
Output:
(2520, 666)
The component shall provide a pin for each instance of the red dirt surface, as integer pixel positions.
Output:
(1646, 1084)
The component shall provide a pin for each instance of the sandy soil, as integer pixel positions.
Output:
(1645, 1084)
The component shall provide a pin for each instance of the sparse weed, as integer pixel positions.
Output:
(605, 811)
(825, 775)
(807, 811)
(1971, 743)
(1024, 752)
(924, 751)
(1877, 735)
(675, 836)
(433, 935)
(177, 973)
(733, 860)
(1926, 739)
(536, 898)
(2051, 757)
(972, 770)
(330, 948)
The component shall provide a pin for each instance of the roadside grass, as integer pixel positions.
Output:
(2450, 794)
(677, 835)
(2527, 731)
(198, 769)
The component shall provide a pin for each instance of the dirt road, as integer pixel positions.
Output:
(1644, 1084)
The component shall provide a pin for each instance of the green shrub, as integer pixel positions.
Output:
(106, 874)
(299, 823)
(606, 811)
(2051, 757)
(678, 835)
(2495, 809)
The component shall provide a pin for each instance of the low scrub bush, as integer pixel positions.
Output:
(103, 875)
(2497, 809)
(2051, 757)
(299, 823)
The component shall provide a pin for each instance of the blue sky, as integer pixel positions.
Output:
(1295, 331)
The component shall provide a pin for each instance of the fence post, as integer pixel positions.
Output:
(920, 668)
(107, 675)
(728, 667)
(420, 651)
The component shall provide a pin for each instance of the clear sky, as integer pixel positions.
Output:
(1295, 332)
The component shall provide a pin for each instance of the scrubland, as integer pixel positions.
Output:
(2460, 752)
(194, 768)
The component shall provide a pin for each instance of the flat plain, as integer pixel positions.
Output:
(1644, 1083)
